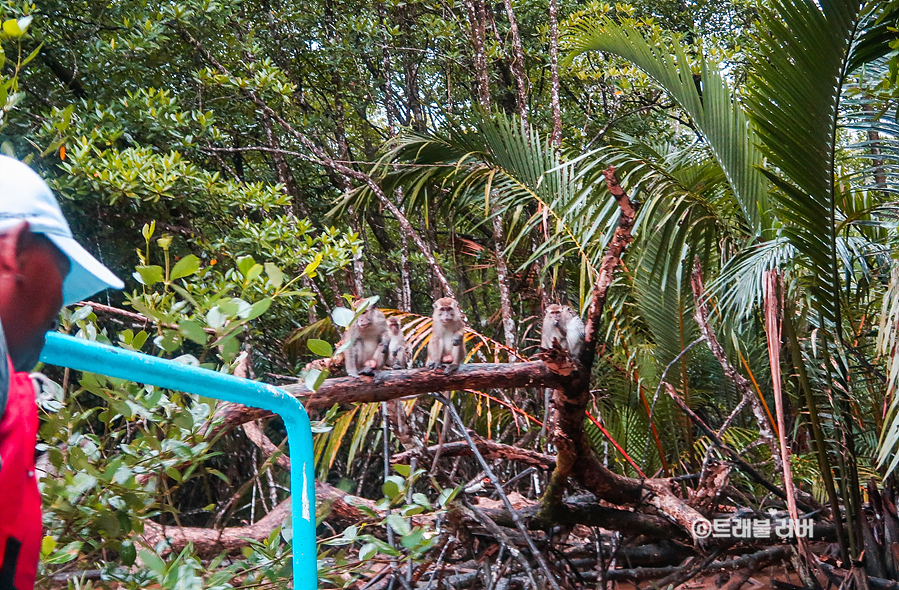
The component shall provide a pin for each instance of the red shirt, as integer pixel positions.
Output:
(20, 501)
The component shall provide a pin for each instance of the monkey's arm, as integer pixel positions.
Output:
(351, 360)
(575, 337)
(435, 352)
(458, 353)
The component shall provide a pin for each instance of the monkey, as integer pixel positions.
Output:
(446, 346)
(562, 324)
(366, 354)
(393, 344)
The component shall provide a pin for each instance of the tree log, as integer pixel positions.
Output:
(390, 385)
(211, 542)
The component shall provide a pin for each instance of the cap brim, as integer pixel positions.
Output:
(86, 276)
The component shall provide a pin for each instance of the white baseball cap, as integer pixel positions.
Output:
(24, 196)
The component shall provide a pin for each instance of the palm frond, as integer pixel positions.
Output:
(794, 97)
(718, 116)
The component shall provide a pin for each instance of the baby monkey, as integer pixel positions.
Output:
(446, 346)
(366, 354)
(393, 343)
(562, 324)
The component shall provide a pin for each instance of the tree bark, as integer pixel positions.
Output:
(477, 18)
(575, 452)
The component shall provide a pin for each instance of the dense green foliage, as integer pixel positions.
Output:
(214, 153)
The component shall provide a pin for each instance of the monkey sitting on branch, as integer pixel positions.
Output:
(366, 352)
(393, 344)
(446, 347)
(561, 324)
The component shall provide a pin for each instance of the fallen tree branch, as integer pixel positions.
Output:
(211, 542)
(253, 430)
(395, 384)
(584, 510)
(332, 505)
(732, 454)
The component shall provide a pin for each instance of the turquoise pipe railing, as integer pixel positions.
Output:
(83, 355)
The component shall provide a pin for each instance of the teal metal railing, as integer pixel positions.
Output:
(83, 355)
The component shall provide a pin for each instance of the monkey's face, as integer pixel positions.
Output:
(446, 314)
(394, 326)
(554, 313)
(364, 320)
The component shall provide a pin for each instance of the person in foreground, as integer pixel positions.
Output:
(42, 268)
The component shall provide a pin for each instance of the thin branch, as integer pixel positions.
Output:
(499, 488)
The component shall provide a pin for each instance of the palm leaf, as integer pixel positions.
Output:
(794, 99)
(717, 115)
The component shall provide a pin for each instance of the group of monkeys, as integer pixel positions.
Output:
(378, 343)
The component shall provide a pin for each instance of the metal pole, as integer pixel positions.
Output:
(84, 355)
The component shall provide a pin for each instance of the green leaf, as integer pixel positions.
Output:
(244, 264)
(259, 308)
(412, 539)
(185, 267)
(127, 553)
(398, 524)
(392, 486)
(342, 316)
(320, 347)
(367, 551)
(81, 313)
(12, 29)
(30, 57)
(314, 379)
(255, 272)
(402, 469)
(149, 275)
(193, 331)
(152, 561)
(275, 276)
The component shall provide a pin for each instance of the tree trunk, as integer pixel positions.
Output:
(554, 73)
(478, 17)
(518, 62)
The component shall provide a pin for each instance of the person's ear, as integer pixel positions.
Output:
(12, 243)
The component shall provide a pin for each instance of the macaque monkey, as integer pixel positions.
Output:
(393, 343)
(366, 355)
(562, 324)
(446, 346)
